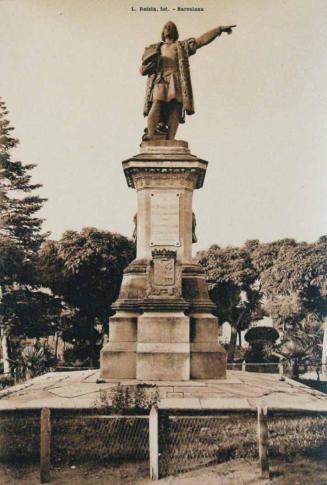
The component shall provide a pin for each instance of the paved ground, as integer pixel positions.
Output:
(241, 390)
(237, 472)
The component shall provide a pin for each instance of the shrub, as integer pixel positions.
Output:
(6, 381)
(78, 356)
(34, 360)
(129, 399)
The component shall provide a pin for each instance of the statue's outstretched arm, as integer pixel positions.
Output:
(212, 34)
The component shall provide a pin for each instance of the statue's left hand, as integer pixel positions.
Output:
(227, 28)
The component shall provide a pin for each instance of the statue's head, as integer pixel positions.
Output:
(169, 30)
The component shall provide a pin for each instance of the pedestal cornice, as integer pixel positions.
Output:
(166, 158)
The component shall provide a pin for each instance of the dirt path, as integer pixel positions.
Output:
(242, 472)
(237, 472)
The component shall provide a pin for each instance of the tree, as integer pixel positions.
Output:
(295, 287)
(234, 287)
(19, 205)
(20, 239)
(85, 269)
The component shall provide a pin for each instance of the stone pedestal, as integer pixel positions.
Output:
(164, 328)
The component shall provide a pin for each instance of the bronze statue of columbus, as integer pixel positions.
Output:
(169, 90)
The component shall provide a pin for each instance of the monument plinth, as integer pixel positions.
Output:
(164, 328)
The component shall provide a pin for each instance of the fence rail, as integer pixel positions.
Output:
(317, 370)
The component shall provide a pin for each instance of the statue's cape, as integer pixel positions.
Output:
(150, 64)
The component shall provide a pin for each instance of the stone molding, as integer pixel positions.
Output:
(164, 305)
(136, 266)
(140, 265)
(146, 179)
(202, 306)
(193, 269)
(159, 145)
(161, 159)
(188, 177)
(128, 305)
(163, 253)
(139, 301)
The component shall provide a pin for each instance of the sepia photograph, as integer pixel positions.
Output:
(163, 242)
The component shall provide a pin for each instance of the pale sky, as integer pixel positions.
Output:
(69, 76)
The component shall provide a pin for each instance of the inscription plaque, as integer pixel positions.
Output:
(165, 219)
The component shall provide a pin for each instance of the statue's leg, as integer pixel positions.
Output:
(153, 118)
(173, 119)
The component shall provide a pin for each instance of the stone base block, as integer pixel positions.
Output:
(152, 366)
(208, 357)
(163, 327)
(163, 348)
(118, 360)
(208, 363)
(204, 328)
(123, 327)
(118, 356)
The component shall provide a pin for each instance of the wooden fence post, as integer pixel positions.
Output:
(243, 366)
(45, 437)
(263, 440)
(154, 443)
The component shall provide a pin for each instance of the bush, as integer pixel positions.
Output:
(129, 399)
(34, 360)
(78, 356)
(6, 381)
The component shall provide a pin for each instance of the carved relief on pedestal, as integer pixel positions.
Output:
(164, 274)
(164, 177)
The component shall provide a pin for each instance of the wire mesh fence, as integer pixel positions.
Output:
(266, 368)
(198, 440)
(314, 371)
(189, 442)
(295, 434)
(98, 439)
(20, 437)
(263, 367)
(75, 438)
(186, 439)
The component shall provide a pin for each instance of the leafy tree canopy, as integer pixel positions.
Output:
(233, 286)
(85, 269)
